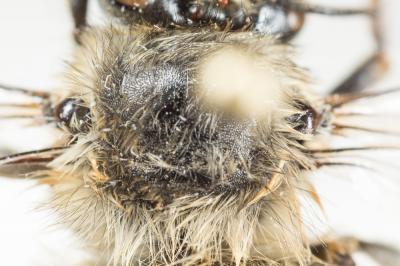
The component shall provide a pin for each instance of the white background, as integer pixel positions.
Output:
(35, 41)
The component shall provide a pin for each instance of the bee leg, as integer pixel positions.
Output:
(20, 165)
(305, 7)
(79, 9)
(384, 255)
(336, 252)
(366, 74)
(371, 69)
(21, 171)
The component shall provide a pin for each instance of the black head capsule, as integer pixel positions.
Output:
(72, 114)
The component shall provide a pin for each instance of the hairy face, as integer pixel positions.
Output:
(176, 115)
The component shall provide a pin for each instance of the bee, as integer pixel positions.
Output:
(190, 134)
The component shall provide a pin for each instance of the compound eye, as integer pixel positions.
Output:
(276, 20)
(73, 114)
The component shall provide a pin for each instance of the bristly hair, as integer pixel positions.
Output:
(187, 146)
(159, 169)
(159, 178)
